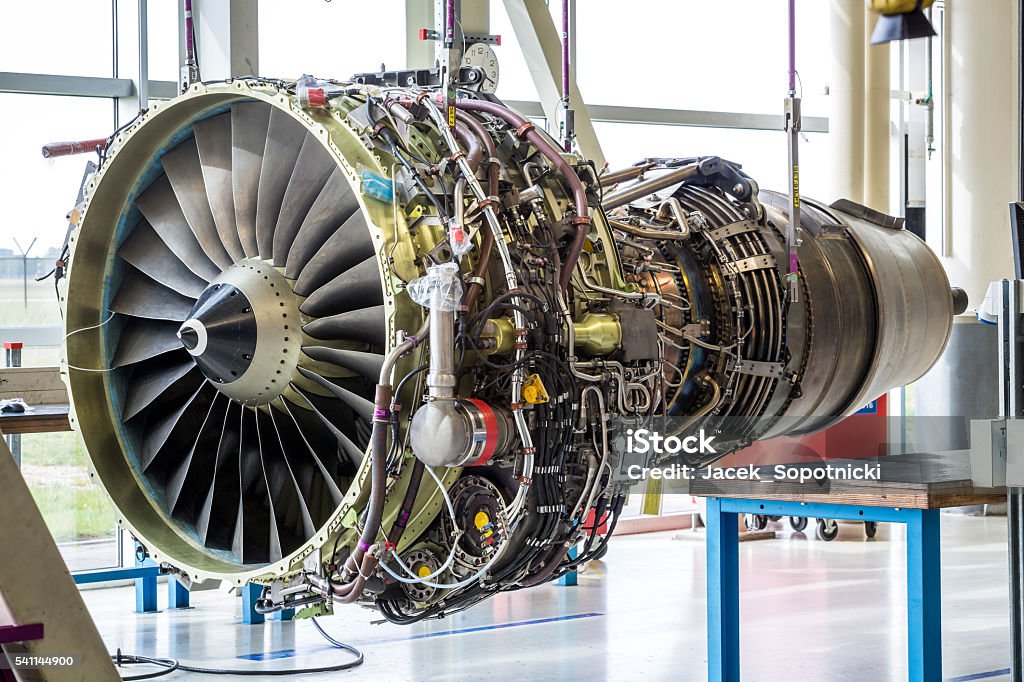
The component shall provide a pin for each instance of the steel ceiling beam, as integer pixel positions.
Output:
(680, 117)
(72, 86)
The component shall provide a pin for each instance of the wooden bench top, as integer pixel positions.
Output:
(910, 481)
(40, 419)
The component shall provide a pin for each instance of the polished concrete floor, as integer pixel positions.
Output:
(811, 610)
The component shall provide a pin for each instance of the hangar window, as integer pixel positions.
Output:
(761, 152)
(46, 190)
(308, 48)
(655, 69)
(78, 37)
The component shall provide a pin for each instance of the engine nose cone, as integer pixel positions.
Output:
(189, 336)
(220, 333)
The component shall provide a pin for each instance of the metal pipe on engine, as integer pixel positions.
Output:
(642, 189)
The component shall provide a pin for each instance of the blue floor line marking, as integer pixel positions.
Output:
(979, 676)
(287, 653)
(268, 655)
(496, 626)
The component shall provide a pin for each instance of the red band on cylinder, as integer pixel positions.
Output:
(491, 427)
(317, 97)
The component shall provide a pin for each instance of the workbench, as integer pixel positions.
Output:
(40, 419)
(911, 490)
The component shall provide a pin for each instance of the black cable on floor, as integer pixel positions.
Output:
(170, 665)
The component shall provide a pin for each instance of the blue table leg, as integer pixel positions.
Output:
(177, 594)
(924, 600)
(145, 588)
(723, 576)
(570, 579)
(250, 593)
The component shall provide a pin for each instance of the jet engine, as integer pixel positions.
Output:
(359, 343)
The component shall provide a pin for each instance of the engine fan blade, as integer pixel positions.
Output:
(213, 139)
(351, 450)
(280, 494)
(284, 140)
(326, 479)
(143, 339)
(197, 466)
(366, 364)
(350, 245)
(217, 516)
(151, 378)
(158, 433)
(250, 542)
(368, 325)
(146, 251)
(300, 483)
(360, 405)
(332, 207)
(140, 296)
(159, 206)
(249, 122)
(354, 289)
(185, 173)
(312, 169)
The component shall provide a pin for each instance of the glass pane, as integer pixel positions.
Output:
(514, 81)
(162, 20)
(718, 56)
(299, 36)
(762, 153)
(76, 511)
(36, 201)
(58, 36)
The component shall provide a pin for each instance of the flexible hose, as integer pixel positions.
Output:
(474, 149)
(525, 129)
(360, 564)
(487, 239)
(398, 529)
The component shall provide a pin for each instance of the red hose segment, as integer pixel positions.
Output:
(55, 149)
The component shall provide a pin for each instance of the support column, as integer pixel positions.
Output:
(846, 97)
(924, 597)
(177, 594)
(570, 579)
(227, 38)
(250, 593)
(145, 588)
(1015, 534)
(723, 585)
(475, 16)
(980, 142)
(877, 114)
(131, 56)
(419, 14)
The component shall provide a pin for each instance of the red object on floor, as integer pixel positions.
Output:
(860, 435)
(588, 523)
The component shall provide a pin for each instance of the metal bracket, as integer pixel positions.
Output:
(762, 262)
(760, 369)
(469, 78)
(988, 452)
(489, 38)
(732, 229)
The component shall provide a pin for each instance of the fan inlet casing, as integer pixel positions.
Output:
(226, 402)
